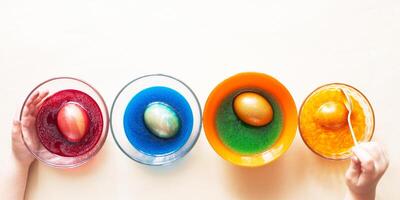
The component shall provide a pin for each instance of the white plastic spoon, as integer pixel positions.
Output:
(349, 106)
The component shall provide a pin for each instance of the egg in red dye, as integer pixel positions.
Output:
(73, 121)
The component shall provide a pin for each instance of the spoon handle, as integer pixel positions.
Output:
(353, 135)
(348, 104)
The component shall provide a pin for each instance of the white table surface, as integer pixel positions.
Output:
(107, 43)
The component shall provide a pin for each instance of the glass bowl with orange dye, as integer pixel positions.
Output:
(323, 121)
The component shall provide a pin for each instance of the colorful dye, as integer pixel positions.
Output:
(138, 133)
(49, 133)
(241, 137)
(325, 140)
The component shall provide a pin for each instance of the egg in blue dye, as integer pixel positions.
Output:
(141, 137)
(161, 120)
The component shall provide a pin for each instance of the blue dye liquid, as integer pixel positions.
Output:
(138, 134)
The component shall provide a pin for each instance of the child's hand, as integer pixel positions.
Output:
(21, 153)
(367, 166)
(14, 173)
(27, 124)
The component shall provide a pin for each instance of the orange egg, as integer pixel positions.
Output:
(253, 109)
(73, 121)
(331, 114)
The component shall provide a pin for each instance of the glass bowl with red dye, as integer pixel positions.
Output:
(66, 127)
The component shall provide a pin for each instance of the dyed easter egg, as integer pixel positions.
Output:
(161, 119)
(331, 114)
(253, 109)
(73, 121)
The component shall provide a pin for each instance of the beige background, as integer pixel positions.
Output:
(107, 43)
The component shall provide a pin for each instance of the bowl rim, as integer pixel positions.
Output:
(105, 122)
(320, 87)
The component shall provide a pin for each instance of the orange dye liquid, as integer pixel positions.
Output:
(335, 142)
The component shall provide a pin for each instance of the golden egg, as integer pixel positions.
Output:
(331, 114)
(253, 109)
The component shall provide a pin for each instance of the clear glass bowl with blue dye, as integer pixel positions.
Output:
(127, 124)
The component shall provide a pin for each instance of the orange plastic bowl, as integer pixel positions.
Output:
(272, 87)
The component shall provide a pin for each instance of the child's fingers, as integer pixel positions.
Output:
(37, 102)
(32, 98)
(33, 101)
(354, 170)
(383, 153)
(353, 173)
(16, 130)
(377, 154)
(386, 157)
(16, 126)
(355, 160)
(383, 160)
(41, 96)
(366, 160)
(29, 108)
(372, 149)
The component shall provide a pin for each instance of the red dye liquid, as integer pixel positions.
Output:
(49, 133)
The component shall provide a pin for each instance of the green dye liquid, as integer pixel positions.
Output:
(243, 138)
